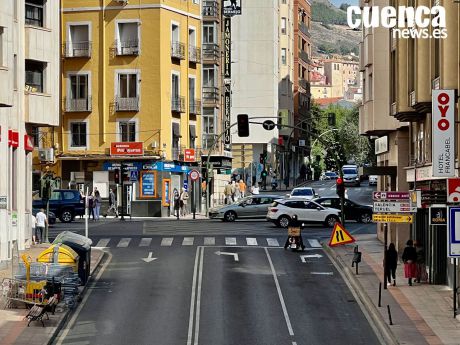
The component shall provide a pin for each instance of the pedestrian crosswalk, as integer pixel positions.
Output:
(188, 241)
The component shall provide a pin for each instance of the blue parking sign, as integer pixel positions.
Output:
(186, 185)
(453, 224)
(133, 175)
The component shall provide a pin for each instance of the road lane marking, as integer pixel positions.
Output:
(280, 295)
(124, 242)
(209, 241)
(188, 241)
(192, 298)
(145, 242)
(230, 241)
(314, 243)
(251, 241)
(103, 242)
(235, 255)
(198, 298)
(322, 273)
(166, 241)
(272, 242)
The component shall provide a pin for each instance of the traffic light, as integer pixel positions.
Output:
(340, 187)
(116, 175)
(331, 119)
(243, 125)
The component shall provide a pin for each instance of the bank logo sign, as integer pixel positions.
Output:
(405, 22)
(443, 133)
(232, 7)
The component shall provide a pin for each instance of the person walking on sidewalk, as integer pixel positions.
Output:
(421, 267)
(228, 192)
(97, 204)
(242, 187)
(176, 202)
(42, 221)
(183, 202)
(410, 258)
(391, 263)
(33, 220)
(112, 203)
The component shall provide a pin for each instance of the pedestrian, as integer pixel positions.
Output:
(242, 187)
(391, 263)
(255, 189)
(176, 202)
(97, 203)
(183, 202)
(91, 205)
(233, 190)
(113, 203)
(33, 224)
(42, 221)
(228, 192)
(409, 258)
(203, 188)
(421, 267)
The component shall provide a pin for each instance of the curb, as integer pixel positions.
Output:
(382, 330)
(63, 321)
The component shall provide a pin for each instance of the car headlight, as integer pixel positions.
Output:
(357, 179)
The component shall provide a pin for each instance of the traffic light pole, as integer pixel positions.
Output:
(122, 171)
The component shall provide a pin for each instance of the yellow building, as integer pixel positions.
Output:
(131, 89)
(321, 91)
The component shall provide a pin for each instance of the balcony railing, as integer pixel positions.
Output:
(195, 106)
(208, 140)
(436, 83)
(393, 40)
(210, 94)
(210, 51)
(304, 56)
(304, 29)
(412, 99)
(78, 104)
(304, 84)
(178, 50)
(127, 104)
(127, 47)
(211, 9)
(194, 54)
(393, 109)
(178, 104)
(77, 49)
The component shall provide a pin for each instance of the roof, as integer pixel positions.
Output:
(316, 76)
(327, 101)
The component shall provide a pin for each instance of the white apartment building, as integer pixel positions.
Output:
(29, 98)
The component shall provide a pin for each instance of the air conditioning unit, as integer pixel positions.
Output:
(46, 155)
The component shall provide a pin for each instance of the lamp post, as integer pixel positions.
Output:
(314, 143)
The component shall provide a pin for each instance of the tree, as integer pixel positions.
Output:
(344, 7)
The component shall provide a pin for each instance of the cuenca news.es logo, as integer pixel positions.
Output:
(405, 22)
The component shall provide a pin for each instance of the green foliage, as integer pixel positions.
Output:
(344, 7)
(328, 15)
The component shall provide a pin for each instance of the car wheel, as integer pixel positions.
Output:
(284, 221)
(331, 220)
(66, 216)
(365, 218)
(230, 216)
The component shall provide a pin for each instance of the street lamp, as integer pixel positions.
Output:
(314, 143)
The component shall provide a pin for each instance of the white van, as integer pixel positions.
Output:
(351, 175)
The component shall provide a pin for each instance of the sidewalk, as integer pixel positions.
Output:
(13, 327)
(421, 314)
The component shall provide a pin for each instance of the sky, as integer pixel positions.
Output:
(339, 2)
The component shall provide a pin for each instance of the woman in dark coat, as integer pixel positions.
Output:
(391, 263)
(176, 202)
(410, 258)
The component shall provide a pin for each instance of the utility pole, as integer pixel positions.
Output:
(122, 177)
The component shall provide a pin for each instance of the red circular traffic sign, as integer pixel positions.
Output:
(194, 175)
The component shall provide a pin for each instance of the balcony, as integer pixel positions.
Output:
(436, 83)
(412, 99)
(127, 104)
(304, 29)
(77, 49)
(195, 107)
(194, 54)
(393, 109)
(178, 50)
(393, 40)
(304, 56)
(211, 10)
(211, 52)
(78, 104)
(210, 95)
(305, 85)
(127, 47)
(178, 104)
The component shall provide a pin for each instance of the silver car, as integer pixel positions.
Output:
(254, 206)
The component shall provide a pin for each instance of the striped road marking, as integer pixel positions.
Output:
(188, 241)
(124, 242)
(272, 242)
(209, 241)
(103, 242)
(230, 241)
(145, 242)
(166, 241)
(322, 273)
(314, 243)
(251, 241)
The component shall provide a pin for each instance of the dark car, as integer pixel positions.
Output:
(51, 215)
(353, 211)
(64, 203)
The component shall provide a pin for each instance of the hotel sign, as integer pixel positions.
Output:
(443, 129)
(227, 100)
(227, 48)
(127, 149)
(232, 8)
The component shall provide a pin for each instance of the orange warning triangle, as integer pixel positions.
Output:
(340, 236)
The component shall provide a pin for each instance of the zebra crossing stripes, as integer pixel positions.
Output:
(251, 241)
(230, 241)
(188, 241)
(209, 241)
(166, 241)
(145, 242)
(124, 242)
(272, 242)
(314, 243)
(103, 242)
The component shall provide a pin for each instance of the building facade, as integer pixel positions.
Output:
(29, 98)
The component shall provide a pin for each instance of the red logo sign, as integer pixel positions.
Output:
(453, 190)
(127, 149)
(443, 99)
(13, 138)
(189, 155)
(28, 143)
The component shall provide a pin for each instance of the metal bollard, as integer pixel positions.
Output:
(356, 259)
(380, 295)
(389, 314)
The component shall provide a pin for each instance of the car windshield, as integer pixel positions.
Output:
(331, 174)
(349, 171)
(302, 192)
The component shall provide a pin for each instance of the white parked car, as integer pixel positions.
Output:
(306, 193)
(282, 211)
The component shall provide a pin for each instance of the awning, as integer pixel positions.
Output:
(193, 132)
(176, 130)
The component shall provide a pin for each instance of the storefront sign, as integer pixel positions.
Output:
(148, 184)
(232, 8)
(443, 133)
(166, 196)
(163, 166)
(381, 145)
(13, 138)
(127, 149)
(453, 190)
(130, 166)
(438, 215)
(28, 143)
(227, 48)
(227, 100)
(453, 225)
(218, 162)
(189, 155)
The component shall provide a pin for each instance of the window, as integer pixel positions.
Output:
(36, 136)
(192, 136)
(175, 86)
(15, 71)
(128, 39)
(174, 33)
(35, 71)
(283, 1)
(370, 86)
(34, 12)
(68, 195)
(209, 76)
(209, 120)
(78, 41)
(55, 196)
(283, 26)
(2, 36)
(127, 131)
(78, 86)
(127, 85)
(191, 37)
(191, 89)
(266, 201)
(209, 33)
(78, 134)
(283, 56)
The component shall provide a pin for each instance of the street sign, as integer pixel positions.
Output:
(453, 190)
(393, 207)
(186, 185)
(268, 125)
(231, 7)
(133, 175)
(390, 195)
(194, 175)
(340, 236)
(438, 215)
(189, 155)
(392, 218)
(453, 224)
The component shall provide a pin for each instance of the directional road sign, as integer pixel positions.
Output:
(340, 236)
(453, 224)
(268, 125)
(392, 218)
(393, 207)
(391, 196)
